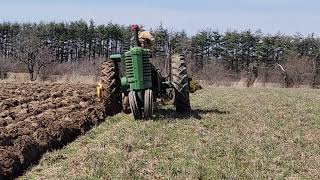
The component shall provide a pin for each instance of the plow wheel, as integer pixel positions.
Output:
(148, 104)
(110, 93)
(134, 105)
(180, 83)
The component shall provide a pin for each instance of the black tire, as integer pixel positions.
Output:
(134, 105)
(148, 104)
(111, 90)
(180, 83)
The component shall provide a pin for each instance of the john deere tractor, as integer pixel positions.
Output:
(142, 83)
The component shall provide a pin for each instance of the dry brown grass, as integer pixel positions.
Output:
(18, 77)
(73, 78)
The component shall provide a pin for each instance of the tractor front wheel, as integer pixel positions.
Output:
(148, 104)
(110, 92)
(180, 83)
(134, 105)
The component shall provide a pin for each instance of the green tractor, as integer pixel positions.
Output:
(143, 84)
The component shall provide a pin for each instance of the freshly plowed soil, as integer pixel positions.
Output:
(36, 117)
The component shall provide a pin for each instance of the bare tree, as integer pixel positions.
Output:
(33, 53)
(3, 68)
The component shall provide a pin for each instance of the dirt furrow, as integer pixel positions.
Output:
(36, 118)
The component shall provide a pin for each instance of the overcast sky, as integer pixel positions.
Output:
(271, 16)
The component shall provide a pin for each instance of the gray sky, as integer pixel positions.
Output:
(271, 16)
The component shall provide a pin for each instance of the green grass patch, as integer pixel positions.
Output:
(231, 134)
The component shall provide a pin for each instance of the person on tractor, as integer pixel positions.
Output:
(146, 39)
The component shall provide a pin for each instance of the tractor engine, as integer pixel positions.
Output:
(138, 71)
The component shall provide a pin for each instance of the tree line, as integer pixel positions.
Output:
(237, 51)
(68, 41)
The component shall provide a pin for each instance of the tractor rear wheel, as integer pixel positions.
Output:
(111, 90)
(180, 83)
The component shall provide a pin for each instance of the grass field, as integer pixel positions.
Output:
(231, 134)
